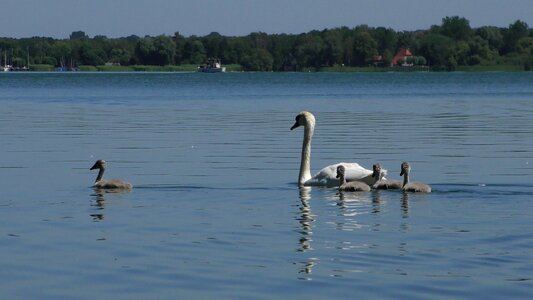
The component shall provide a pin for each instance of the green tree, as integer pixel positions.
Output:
(156, 51)
(257, 60)
(364, 48)
(280, 49)
(348, 45)
(61, 51)
(456, 28)
(333, 49)
(120, 55)
(387, 57)
(462, 52)
(89, 55)
(385, 38)
(406, 39)
(164, 50)
(213, 44)
(439, 50)
(492, 35)
(479, 49)
(179, 41)
(420, 61)
(516, 31)
(235, 49)
(39, 49)
(308, 51)
(525, 45)
(194, 51)
(259, 40)
(144, 50)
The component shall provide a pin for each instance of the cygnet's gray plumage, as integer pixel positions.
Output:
(352, 186)
(384, 184)
(108, 184)
(412, 186)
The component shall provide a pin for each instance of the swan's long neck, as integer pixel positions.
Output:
(405, 178)
(100, 175)
(305, 164)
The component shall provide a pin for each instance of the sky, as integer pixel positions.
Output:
(121, 18)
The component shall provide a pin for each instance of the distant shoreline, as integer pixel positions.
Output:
(238, 68)
(451, 46)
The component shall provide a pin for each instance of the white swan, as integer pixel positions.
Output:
(99, 183)
(352, 186)
(384, 184)
(412, 186)
(328, 175)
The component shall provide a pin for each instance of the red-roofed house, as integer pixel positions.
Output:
(401, 56)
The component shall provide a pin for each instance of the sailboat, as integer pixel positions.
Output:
(6, 67)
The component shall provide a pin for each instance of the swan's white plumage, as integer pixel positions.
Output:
(326, 176)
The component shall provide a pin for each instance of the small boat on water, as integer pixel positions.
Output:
(7, 68)
(213, 65)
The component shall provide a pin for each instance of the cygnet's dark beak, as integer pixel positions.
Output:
(295, 125)
(95, 166)
(401, 173)
(338, 175)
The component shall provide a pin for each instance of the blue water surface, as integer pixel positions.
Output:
(215, 212)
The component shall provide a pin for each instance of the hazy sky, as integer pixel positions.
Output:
(120, 18)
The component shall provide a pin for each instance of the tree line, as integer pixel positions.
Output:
(447, 46)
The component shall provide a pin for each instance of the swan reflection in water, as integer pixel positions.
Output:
(404, 204)
(353, 204)
(376, 202)
(374, 197)
(404, 207)
(306, 219)
(99, 204)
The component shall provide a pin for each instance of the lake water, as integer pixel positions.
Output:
(215, 212)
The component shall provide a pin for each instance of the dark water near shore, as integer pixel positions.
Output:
(215, 211)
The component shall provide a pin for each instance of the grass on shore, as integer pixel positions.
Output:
(134, 68)
(238, 68)
(491, 68)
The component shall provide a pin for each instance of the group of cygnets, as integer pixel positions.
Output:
(348, 176)
(381, 183)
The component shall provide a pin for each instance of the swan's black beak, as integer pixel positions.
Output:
(338, 175)
(401, 173)
(296, 125)
(95, 166)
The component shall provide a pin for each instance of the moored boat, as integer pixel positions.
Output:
(213, 65)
